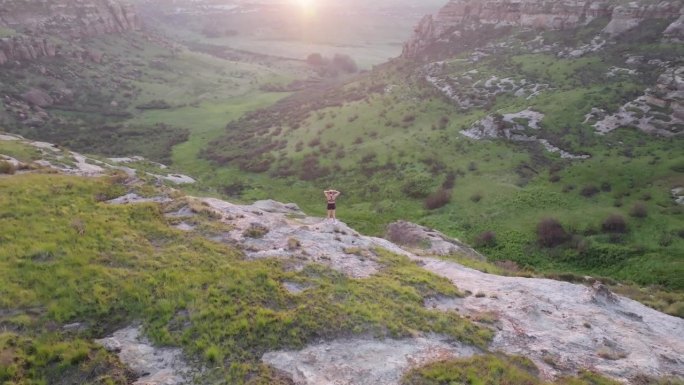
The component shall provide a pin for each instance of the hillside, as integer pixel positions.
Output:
(228, 293)
(547, 134)
(484, 129)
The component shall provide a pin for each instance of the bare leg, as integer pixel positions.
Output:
(334, 218)
(331, 214)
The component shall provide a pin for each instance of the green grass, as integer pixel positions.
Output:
(19, 151)
(500, 369)
(365, 148)
(111, 265)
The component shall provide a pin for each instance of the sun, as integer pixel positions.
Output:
(307, 6)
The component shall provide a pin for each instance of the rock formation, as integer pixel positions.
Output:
(40, 24)
(463, 15)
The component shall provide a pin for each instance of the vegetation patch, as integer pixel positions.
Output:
(115, 264)
(493, 370)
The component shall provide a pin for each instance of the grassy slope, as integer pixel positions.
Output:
(107, 266)
(400, 130)
(103, 115)
(500, 369)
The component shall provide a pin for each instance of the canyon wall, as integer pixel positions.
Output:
(467, 15)
(34, 27)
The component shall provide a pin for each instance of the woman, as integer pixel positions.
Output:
(330, 196)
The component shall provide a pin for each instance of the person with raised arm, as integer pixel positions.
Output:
(331, 196)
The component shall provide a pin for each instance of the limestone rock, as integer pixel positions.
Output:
(66, 19)
(675, 31)
(153, 365)
(37, 97)
(463, 15)
(626, 17)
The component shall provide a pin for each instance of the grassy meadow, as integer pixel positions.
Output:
(108, 266)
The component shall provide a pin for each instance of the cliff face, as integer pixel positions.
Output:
(36, 21)
(467, 15)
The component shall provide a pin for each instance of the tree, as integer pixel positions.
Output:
(315, 59)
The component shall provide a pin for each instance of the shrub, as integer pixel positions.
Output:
(416, 188)
(344, 63)
(438, 199)
(293, 244)
(550, 233)
(554, 178)
(255, 230)
(615, 223)
(606, 187)
(485, 239)
(476, 197)
(402, 233)
(589, 191)
(449, 181)
(639, 210)
(472, 166)
(7, 168)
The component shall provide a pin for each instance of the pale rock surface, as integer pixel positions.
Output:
(152, 365)
(362, 361)
(508, 128)
(569, 324)
(330, 243)
(678, 195)
(135, 198)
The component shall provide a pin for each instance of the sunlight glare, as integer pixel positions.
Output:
(307, 6)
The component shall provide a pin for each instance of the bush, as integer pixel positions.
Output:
(418, 187)
(476, 197)
(485, 239)
(589, 191)
(402, 233)
(438, 199)
(449, 181)
(554, 178)
(550, 233)
(7, 168)
(639, 210)
(344, 63)
(615, 223)
(255, 230)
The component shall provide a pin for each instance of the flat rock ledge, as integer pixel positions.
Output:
(152, 365)
(268, 229)
(564, 327)
(363, 361)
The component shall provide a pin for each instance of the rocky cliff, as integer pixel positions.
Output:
(460, 16)
(35, 27)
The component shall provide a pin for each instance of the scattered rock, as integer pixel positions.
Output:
(37, 97)
(509, 126)
(135, 198)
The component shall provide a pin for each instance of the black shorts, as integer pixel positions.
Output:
(331, 206)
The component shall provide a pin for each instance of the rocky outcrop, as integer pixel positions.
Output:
(152, 365)
(462, 15)
(38, 23)
(660, 111)
(675, 31)
(626, 17)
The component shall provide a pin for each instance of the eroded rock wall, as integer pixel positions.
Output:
(37, 23)
(461, 15)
